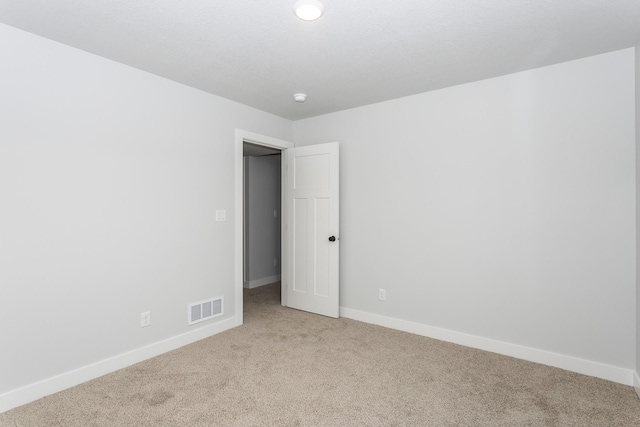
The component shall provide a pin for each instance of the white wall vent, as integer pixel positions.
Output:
(204, 310)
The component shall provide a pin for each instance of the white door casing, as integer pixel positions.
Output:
(312, 228)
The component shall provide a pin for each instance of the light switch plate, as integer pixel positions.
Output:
(145, 319)
(221, 215)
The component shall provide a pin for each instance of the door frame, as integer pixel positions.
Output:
(241, 137)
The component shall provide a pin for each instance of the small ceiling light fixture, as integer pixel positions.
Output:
(300, 97)
(308, 10)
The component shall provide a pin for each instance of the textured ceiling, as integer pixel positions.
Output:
(361, 51)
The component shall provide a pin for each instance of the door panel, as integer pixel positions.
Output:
(321, 264)
(312, 203)
(300, 247)
(311, 172)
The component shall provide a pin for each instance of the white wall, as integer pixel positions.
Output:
(637, 366)
(262, 228)
(503, 209)
(109, 182)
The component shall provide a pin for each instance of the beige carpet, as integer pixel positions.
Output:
(289, 368)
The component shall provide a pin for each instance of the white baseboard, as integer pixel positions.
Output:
(636, 383)
(581, 366)
(252, 284)
(31, 392)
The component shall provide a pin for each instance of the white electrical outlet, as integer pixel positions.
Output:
(145, 319)
(382, 294)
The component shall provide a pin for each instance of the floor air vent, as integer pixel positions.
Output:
(204, 310)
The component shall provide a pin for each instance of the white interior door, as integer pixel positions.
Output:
(312, 228)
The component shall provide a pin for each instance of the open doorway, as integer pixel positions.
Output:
(257, 144)
(261, 218)
(310, 250)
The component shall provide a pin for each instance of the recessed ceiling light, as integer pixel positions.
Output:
(308, 10)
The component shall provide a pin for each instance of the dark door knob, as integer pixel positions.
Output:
(332, 238)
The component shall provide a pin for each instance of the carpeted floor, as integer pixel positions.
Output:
(289, 368)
